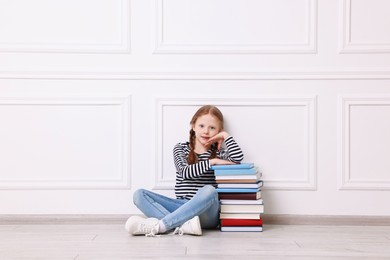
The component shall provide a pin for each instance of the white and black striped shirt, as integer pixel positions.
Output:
(191, 177)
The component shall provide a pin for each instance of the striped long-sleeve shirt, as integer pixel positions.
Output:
(191, 177)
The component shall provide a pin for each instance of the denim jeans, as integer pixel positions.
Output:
(174, 212)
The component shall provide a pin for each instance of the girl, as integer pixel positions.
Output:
(196, 204)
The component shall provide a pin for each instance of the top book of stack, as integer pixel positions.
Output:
(244, 172)
(232, 166)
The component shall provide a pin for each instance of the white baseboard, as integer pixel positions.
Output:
(347, 220)
(54, 219)
(271, 219)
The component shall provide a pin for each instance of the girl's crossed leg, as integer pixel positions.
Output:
(175, 212)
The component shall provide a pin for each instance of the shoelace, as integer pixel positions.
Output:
(178, 231)
(149, 232)
(152, 234)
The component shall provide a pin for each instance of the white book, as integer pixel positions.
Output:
(241, 185)
(243, 229)
(246, 202)
(239, 177)
(242, 208)
(239, 215)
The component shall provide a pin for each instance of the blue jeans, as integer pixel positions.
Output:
(174, 212)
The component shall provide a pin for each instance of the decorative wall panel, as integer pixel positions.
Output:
(274, 130)
(65, 142)
(73, 26)
(364, 141)
(236, 26)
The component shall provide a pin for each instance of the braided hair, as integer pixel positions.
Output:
(204, 110)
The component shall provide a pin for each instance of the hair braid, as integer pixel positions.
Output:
(192, 158)
(213, 151)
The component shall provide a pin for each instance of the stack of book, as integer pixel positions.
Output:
(240, 197)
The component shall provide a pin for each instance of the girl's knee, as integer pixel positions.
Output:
(138, 195)
(209, 191)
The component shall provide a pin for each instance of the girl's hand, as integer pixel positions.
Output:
(217, 161)
(218, 138)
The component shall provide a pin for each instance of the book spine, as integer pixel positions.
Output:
(233, 166)
(241, 202)
(241, 185)
(238, 196)
(241, 222)
(235, 190)
(242, 208)
(239, 216)
(243, 182)
(236, 171)
(242, 229)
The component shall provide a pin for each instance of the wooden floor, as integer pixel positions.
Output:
(76, 242)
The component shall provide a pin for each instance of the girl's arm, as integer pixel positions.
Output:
(218, 138)
(231, 155)
(188, 171)
(233, 152)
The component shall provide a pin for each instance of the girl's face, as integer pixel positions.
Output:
(205, 127)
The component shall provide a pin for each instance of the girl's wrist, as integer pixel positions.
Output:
(212, 162)
(225, 135)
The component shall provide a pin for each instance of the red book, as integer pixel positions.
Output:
(241, 222)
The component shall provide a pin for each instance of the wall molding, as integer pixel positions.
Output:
(309, 103)
(162, 47)
(304, 74)
(345, 180)
(123, 182)
(122, 47)
(346, 45)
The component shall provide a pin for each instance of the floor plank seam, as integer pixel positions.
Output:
(297, 244)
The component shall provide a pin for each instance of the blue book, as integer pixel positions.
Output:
(256, 185)
(232, 166)
(248, 171)
(239, 190)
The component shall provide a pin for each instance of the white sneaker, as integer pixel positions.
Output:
(191, 227)
(137, 225)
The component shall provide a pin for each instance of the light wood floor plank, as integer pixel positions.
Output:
(111, 242)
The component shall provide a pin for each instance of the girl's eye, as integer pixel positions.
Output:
(201, 126)
(212, 128)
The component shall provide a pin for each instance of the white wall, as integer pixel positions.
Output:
(94, 94)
